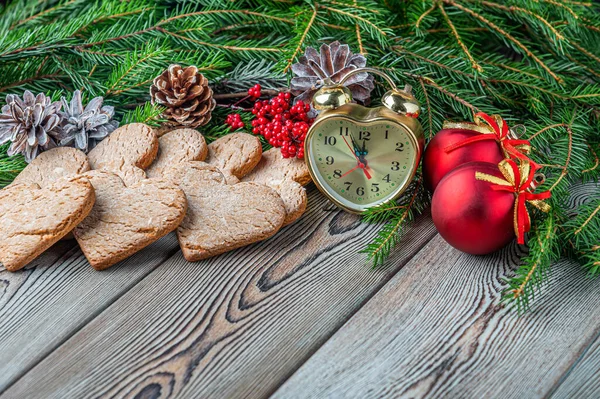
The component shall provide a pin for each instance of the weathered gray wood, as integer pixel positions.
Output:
(233, 326)
(44, 304)
(437, 330)
(583, 380)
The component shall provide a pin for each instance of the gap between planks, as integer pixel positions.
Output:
(556, 391)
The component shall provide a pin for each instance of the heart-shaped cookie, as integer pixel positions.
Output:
(235, 154)
(286, 176)
(223, 217)
(34, 218)
(126, 152)
(52, 165)
(178, 147)
(126, 219)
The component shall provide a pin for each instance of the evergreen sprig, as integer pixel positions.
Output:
(535, 62)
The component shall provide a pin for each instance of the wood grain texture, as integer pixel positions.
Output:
(232, 326)
(57, 294)
(437, 330)
(582, 381)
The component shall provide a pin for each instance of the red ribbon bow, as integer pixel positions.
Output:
(499, 131)
(518, 181)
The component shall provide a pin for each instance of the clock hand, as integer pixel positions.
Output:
(350, 148)
(364, 168)
(354, 144)
(361, 164)
(350, 171)
(363, 158)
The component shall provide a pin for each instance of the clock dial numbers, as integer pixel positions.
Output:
(361, 164)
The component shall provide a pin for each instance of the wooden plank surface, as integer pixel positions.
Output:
(44, 304)
(583, 380)
(437, 330)
(233, 326)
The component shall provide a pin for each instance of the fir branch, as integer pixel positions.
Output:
(358, 35)
(429, 111)
(145, 113)
(453, 96)
(474, 63)
(9, 166)
(301, 41)
(544, 249)
(425, 14)
(395, 216)
(507, 36)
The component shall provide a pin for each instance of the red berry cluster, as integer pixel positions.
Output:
(234, 121)
(282, 124)
(254, 91)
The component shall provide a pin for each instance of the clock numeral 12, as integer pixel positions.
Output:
(364, 135)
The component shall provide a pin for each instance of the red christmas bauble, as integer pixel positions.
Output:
(437, 162)
(469, 214)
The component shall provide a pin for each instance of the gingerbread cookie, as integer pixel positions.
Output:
(286, 176)
(52, 165)
(126, 152)
(33, 218)
(223, 217)
(235, 154)
(126, 219)
(176, 147)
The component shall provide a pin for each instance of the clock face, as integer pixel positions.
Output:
(361, 164)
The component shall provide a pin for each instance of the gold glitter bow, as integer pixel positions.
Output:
(492, 128)
(518, 179)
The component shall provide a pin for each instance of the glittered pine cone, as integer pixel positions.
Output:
(185, 94)
(332, 62)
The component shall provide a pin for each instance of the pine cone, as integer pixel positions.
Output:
(31, 124)
(186, 95)
(84, 128)
(333, 62)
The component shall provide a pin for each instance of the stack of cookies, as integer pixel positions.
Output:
(135, 187)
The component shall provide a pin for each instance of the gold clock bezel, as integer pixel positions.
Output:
(365, 116)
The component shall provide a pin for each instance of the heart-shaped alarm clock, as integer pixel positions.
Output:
(361, 157)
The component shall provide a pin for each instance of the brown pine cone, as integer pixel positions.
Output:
(185, 94)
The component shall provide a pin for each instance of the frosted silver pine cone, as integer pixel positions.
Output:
(31, 124)
(333, 62)
(84, 128)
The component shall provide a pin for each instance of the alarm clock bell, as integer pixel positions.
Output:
(334, 95)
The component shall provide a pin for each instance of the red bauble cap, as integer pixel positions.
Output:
(469, 214)
(437, 162)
